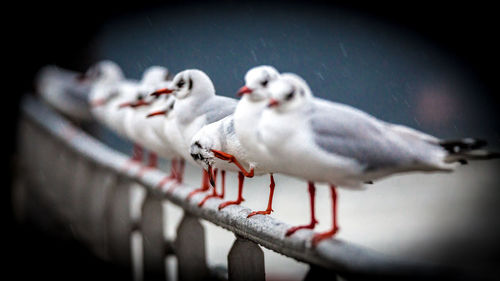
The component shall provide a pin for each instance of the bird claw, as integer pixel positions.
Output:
(202, 202)
(198, 190)
(318, 237)
(227, 203)
(266, 212)
(295, 228)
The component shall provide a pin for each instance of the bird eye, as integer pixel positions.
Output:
(139, 96)
(264, 83)
(181, 83)
(289, 96)
(172, 106)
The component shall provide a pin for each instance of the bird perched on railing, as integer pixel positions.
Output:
(230, 139)
(163, 107)
(196, 105)
(140, 129)
(68, 91)
(322, 141)
(278, 126)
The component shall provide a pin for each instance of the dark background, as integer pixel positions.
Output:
(65, 34)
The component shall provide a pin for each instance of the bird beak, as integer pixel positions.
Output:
(273, 103)
(98, 102)
(156, 113)
(163, 91)
(243, 90)
(125, 104)
(211, 176)
(139, 103)
(134, 104)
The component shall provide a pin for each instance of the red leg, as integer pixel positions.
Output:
(269, 202)
(223, 179)
(204, 185)
(153, 160)
(180, 170)
(174, 174)
(214, 188)
(312, 224)
(137, 155)
(231, 159)
(321, 236)
(240, 199)
(152, 164)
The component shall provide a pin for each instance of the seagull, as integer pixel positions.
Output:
(196, 105)
(138, 128)
(241, 135)
(327, 142)
(164, 107)
(106, 99)
(105, 77)
(63, 91)
(206, 149)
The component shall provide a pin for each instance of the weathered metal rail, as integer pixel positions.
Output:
(82, 179)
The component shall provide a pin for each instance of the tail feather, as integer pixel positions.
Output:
(467, 149)
(467, 144)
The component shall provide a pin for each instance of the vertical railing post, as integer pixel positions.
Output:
(120, 223)
(245, 261)
(190, 249)
(319, 273)
(153, 239)
(99, 193)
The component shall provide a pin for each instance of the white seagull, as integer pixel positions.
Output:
(106, 100)
(164, 107)
(196, 105)
(233, 139)
(322, 141)
(217, 141)
(140, 129)
(105, 77)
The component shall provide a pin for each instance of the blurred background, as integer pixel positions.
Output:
(426, 65)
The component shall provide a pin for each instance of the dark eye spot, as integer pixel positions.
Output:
(172, 106)
(289, 96)
(264, 83)
(198, 144)
(181, 83)
(139, 96)
(190, 84)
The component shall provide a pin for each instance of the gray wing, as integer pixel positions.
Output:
(342, 130)
(217, 108)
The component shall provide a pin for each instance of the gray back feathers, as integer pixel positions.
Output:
(348, 132)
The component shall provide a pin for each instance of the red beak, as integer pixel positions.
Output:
(133, 104)
(139, 103)
(243, 90)
(161, 112)
(163, 91)
(273, 103)
(125, 104)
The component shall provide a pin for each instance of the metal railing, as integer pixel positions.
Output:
(82, 179)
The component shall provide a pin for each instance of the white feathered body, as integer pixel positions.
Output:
(298, 150)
